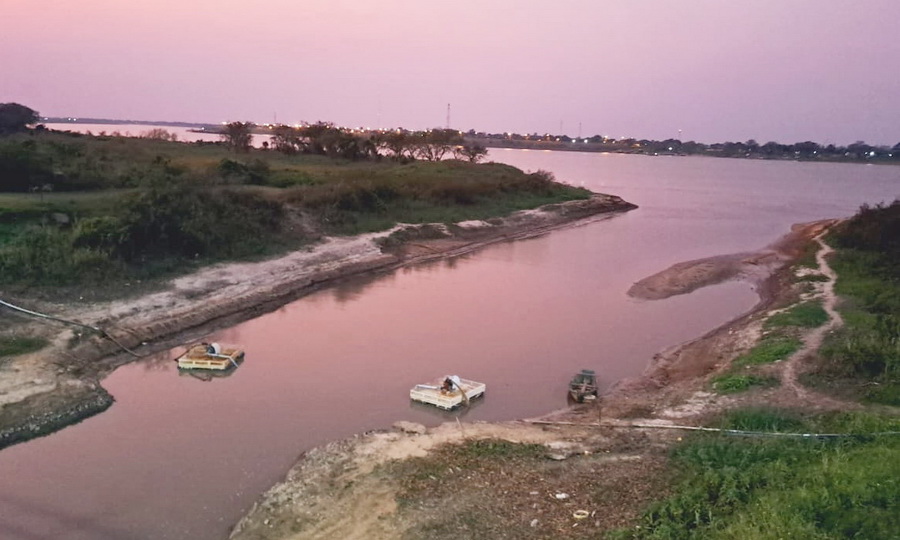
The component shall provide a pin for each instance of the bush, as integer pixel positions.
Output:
(47, 256)
(177, 219)
(22, 166)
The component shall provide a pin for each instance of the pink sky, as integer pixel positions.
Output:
(785, 70)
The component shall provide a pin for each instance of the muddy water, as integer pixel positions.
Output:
(178, 457)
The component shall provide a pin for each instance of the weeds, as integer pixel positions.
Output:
(771, 349)
(14, 346)
(777, 488)
(804, 315)
(734, 383)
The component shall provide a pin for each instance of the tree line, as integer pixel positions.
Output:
(326, 139)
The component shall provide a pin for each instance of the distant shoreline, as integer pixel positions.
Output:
(802, 151)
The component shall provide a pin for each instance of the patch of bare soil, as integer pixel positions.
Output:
(34, 387)
(461, 480)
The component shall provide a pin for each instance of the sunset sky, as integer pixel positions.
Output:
(713, 70)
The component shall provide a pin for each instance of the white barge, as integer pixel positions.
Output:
(210, 356)
(447, 393)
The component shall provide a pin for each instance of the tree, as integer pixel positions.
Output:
(15, 117)
(237, 135)
(434, 144)
(398, 143)
(287, 139)
(471, 151)
(159, 134)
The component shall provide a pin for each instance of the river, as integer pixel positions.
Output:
(176, 457)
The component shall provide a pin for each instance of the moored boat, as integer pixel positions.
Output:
(211, 356)
(447, 393)
(583, 386)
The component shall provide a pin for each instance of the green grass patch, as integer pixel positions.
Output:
(749, 487)
(771, 349)
(733, 383)
(805, 315)
(14, 346)
(767, 419)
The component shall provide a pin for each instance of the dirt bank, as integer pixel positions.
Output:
(394, 485)
(53, 387)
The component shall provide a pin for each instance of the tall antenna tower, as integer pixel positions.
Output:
(448, 116)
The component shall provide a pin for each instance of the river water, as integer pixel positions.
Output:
(183, 134)
(176, 457)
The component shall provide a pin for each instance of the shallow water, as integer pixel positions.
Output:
(178, 457)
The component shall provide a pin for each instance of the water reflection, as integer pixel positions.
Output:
(445, 415)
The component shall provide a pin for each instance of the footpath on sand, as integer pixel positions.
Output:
(351, 488)
(60, 384)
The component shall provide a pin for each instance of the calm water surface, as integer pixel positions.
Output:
(137, 130)
(177, 457)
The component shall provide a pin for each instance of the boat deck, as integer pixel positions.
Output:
(197, 357)
(432, 394)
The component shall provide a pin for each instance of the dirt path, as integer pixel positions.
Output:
(794, 366)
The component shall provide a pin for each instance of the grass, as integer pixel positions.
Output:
(741, 377)
(772, 348)
(863, 357)
(805, 315)
(733, 488)
(733, 383)
(14, 346)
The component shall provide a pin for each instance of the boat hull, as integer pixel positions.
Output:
(197, 357)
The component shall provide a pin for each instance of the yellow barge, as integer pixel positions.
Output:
(210, 356)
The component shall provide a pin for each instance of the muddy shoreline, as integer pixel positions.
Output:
(60, 385)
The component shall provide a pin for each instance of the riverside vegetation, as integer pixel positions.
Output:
(80, 209)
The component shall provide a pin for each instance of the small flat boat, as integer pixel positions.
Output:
(583, 386)
(447, 393)
(210, 356)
